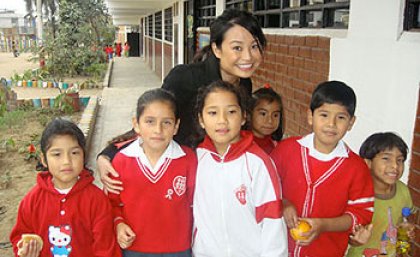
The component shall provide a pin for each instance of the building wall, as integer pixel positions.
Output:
(150, 44)
(167, 58)
(293, 66)
(158, 58)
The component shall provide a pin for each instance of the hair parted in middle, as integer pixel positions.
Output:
(334, 92)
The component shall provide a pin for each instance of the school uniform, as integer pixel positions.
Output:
(324, 186)
(237, 202)
(156, 201)
(78, 223)
(266, 143)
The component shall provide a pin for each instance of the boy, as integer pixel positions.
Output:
(323, 181)
(385, 154)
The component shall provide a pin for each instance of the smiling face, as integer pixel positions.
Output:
(330, 123)
(239, 54)
(157, 126)
(265, 118)
(222, 119)
(65, 160)
(387, 168)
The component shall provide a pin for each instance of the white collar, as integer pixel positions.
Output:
(173, 151)
(339, 151)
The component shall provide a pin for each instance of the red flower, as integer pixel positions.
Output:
(31, 148)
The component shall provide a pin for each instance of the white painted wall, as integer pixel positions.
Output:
(381, 63)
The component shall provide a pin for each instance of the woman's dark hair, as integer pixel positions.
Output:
(61, 127)
(334, 92)
(219, 85)
(148, 97)
(380, 142)
(229, 18)
(268, 94)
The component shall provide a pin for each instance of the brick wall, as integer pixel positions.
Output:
(167, 55)
(294, 65)
(414, 178)
(158, 58)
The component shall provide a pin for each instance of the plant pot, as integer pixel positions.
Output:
(52, 100)
(36, 102)
(24, 83)
(29, 83)
(45, 103)
(84, 101)
(75, 101)
(34, 83)
(50, 84)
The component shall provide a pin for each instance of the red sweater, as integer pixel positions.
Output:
(321, 189)
(266, 143)
(157, 207)
(83, 217)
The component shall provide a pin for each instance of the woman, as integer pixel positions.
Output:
(235, 52)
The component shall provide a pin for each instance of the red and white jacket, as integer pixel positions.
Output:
(324, 186)
(79, 222)
(156, 201)
(237, 202)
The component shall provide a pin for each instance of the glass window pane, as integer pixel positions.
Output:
(341, 18)
(292, 20)
(311, 2)
(314, 19)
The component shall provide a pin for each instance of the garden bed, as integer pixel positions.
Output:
(18, 175)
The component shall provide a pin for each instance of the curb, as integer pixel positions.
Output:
(88, 119)
(108, 74)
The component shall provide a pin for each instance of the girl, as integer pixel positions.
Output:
(237, 202)
(65, 209)
(235, 52)
(153, 214)
(267, 118)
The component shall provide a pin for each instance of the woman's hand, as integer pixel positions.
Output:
(31, 249)
(105, 169)
(125, 235)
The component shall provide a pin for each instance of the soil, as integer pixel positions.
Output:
(18, 175)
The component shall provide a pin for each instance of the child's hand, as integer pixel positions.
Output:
(290, 214)
(361, 235)
(312, 234)
(125, 235)
(31, 249)
(412, 233)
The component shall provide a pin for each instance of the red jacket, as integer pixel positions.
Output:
(82, 217)
(324, 189)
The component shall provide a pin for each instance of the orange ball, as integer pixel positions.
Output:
(302, 227)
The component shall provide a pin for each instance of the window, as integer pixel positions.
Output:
(158, 25)
(168, 24)
(302, 13)
(150, 25)
(412, 15)
(239, 4)
(205, 12)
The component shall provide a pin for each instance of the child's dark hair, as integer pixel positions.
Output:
(229, 18)
(268, 94)
(61, 127)
(334, 92)
(148, 97)
(219, 85)
(380, 142)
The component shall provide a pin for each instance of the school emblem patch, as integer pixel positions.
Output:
(180, 185)
(240, 193)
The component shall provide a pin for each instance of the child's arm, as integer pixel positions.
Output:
(125, 235)
(320, 225)
(361, 235)
(290, 214)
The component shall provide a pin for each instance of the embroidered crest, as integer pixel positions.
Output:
(180, 185)
(241, 194)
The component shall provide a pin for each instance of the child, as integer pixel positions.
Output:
(267, 118)
(153, 213)
(385, 154)
(324, 182)
(70, 214)
(237, 204)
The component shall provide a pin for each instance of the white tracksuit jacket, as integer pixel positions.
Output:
(237, 203)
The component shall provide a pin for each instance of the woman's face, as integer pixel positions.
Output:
(239, 54)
